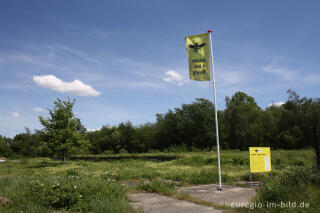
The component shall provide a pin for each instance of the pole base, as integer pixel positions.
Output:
(219, 188)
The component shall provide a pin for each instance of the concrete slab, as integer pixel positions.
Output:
(155, 203)
(230, 195)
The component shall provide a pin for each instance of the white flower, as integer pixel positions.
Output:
(74, 187)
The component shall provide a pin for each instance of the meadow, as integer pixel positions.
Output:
(47, 185)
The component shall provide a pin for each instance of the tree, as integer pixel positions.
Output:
(5, 149)
(26, 144)
(62, 131)
(127, 132)
(106, 138)
(243, 121)
(192, 125)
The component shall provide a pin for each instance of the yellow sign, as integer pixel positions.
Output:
(260, 159)
(198, 48)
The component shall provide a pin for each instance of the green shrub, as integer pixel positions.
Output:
(295, 185)
(108, 152)
(123, 151)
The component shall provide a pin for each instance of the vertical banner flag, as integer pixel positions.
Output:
(198, 48)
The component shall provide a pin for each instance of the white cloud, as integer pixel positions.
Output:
(282, 71)
(75, 87)
(38, 109)
(16, 114)
(277, 104)
(173, 77)
(92, 130)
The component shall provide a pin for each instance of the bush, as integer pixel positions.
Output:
(123, 151)
(296, 185)
(108, 152)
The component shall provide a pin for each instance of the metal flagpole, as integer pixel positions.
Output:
(215, 109)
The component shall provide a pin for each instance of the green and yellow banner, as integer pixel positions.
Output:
(198, 48)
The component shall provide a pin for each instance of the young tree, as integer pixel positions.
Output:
(62, 132)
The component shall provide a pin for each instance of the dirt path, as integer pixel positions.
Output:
(155, 203)
(229, 196)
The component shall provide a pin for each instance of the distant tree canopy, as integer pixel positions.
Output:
(5, 149)
(192, 125)
(241, 124)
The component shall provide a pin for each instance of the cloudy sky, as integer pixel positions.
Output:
(126, 60)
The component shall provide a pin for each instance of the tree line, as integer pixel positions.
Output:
(190, 127)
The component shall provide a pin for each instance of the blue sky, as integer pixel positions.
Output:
(126, 60)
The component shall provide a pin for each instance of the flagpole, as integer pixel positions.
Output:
(215, 111)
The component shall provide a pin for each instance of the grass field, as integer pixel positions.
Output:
(46, 185)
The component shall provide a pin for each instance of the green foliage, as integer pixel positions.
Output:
(190, 127)
(177, 148)
(20, 180)
(5, 149)
(70, 192)
(242, 122)
(62, 131)
(299, 184)
(28, 144)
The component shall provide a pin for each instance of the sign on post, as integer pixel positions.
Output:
(260, 159)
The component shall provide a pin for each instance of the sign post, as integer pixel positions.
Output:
(260, 160)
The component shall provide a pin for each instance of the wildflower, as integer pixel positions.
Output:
(74, 187)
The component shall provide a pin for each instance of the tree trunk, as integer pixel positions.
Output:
(64, 157)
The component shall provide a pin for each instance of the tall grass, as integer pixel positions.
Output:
(99, 183)
(297, 186)
(71, 192)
